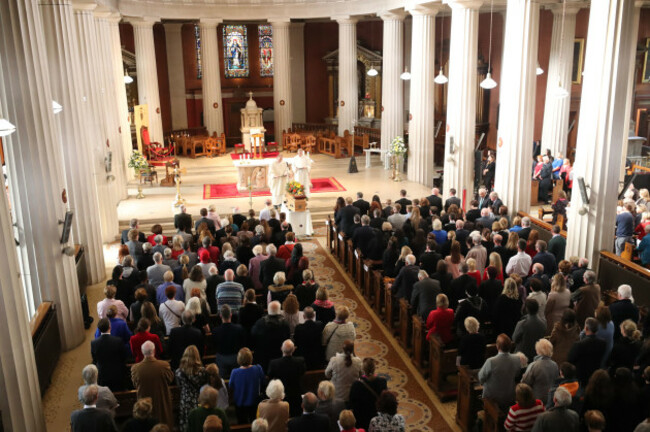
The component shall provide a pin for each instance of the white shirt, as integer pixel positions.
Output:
(519, 264)
(265, 214)
(171, 312)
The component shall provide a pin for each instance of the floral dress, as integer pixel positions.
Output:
(386, 423)
(190, 387)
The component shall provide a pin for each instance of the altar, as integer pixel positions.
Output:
(255, 172)
(300, 221)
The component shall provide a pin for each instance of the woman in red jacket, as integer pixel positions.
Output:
(142, 335)
(440, 320)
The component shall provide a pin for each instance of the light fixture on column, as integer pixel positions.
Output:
(372, 72)
(6, 128)
(127, 78)
(538, 69)
(56, 107)
(488, 83)
(406, 75)
(560, 92)
(441, 78)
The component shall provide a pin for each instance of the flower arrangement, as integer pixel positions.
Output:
(137, 161)
(294, 188)
(397, 147)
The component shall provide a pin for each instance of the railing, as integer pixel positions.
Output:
(314, 127)
(374, 135)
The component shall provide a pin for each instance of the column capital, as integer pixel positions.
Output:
(427, 9)
(464, 4)
(392, 15)
(143, 22)
(102, 14)
(571, 8)
(84, 7)
(280, 21)
(345, 19)
(210, 22)
(114, 18)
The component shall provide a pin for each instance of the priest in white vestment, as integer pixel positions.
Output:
(279, 176)
(302, 169)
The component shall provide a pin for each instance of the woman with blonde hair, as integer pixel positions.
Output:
(507, 308)
(494, 261)
(196, 280)
(543, 371)
(177, 246)
(473, 272)
(245, 385)
(291, 312)
(401, 260)
(190, 376)
(626, 348)
(454, 259)
(142, 419)
(558, 300)
(182, 272)
(215, 381)
(207, 409)
(200, 322)
(274, 410)
(323, 307)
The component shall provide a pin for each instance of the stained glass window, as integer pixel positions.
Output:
(265, 32)
(235, 44)
(197, 38)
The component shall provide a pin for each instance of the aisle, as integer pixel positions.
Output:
(421, 408)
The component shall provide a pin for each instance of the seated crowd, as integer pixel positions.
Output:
(566, 360)
(227, 315)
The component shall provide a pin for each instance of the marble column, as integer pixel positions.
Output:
(555, 130)
(212, 103)
(20, 397)
(517, 100)
(176, 75)
(282, 98)
(35, 172)
(93, 108)
(421, 127)
(392, 90)
(631, 84)
(147, 70)
(348, 85)
(111, 111)
(299, 100)
(461, 98)
(603, 126)
(65, 78)
(124, 126)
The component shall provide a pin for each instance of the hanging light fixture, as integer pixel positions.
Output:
(560, 92)
(127, 78)
(406, 75)
(56, 107)
(488, 83)
(441, 78)
(539, 69)
(372, 72)
(6, 128)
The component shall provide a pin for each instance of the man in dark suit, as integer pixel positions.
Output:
(483, 199)
(406, 278)
(182, 337)
(453, 199)
(429, 259)
(423, 298)
(309, 420)
(90, 418)
(269, 267)
(586, 354)
(134, 224)
(109, 355)
(289, 370)
(474, 212)
(545, 258)
(228, 339)
(458, 286)
(557, 244)
(388, 209)
(503, 252)
(495, 202)
(345, 217)
(361, 204)
(268, 334)
(211, 288)
(403, 201)
(524, 232)
(183, 221)
(435, 200)
(486, 218)
(307, 337)
(204, 218)
(146, 259)
(377, 219)
(462, 235)
(363, 236)
(578, 273)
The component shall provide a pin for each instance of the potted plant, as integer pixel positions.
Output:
(138, 162)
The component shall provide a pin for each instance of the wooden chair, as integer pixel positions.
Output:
(309, 143)
(210, 147)
(294, 142)
(155, 152)
(221, 143)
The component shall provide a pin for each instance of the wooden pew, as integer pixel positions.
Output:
(329, 235)
(311, 379)
(442, 364)
(369, 267)
(418, 342)
(358, 269)
(494, 417)
(379, 282)
(340, 239)
(405, 325)
(335, 241)
(388, 307)
(349, 262)
(468, 403)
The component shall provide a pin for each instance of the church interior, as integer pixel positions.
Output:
(447, 126)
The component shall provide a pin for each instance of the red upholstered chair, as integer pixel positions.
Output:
(156, 153)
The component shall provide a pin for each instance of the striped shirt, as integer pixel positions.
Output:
(522, 419)
(230, 293)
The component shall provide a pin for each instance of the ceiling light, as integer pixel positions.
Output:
(373, 72)
(440, 78)
(539, 69)
(406, 75)
(56, 107)
(488, 83)
(127, 78)
(6, 128)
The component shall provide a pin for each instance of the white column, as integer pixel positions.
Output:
(348, 85)
(603, 126)
(517, 99)
(120, 91)
(35, 171)
(461, 98)
(176, 75)
(299, 101)
(282, 98)
(212, 103)
(93, 108)
(555, 130)
(147, 70)
(392, 88)
(634, 34)
(65, 79)
(421, 127)
(111, 110)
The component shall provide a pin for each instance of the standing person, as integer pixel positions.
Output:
(489, 171)
(546, 180)
(523, 414)
(498, 374)
(274, 410)
(387, 419)
(302, 165)
(624, 228)
(278, 177)
(245, 385)
(289, 370)
(343, 370)
(337, 332)
(90, 417)
(365, 392)
(190, 376)
(152, 378)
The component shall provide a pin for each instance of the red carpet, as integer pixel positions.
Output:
(265, 155)
(229, 190)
